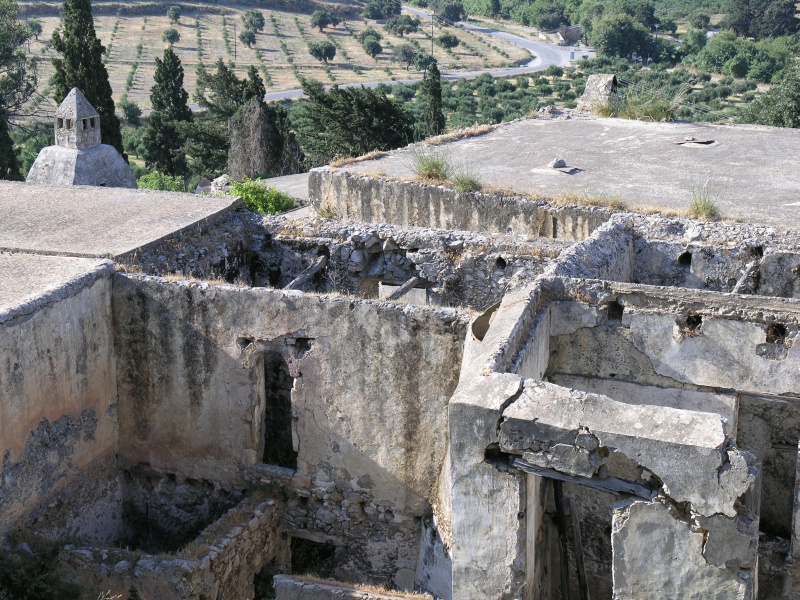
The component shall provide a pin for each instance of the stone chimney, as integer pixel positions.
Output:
(77, 122)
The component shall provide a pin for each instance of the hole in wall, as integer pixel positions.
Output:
(615, 310)
(500, 263)
(303, 346)
(495, 457)
(757, 251)
(481, 325)
(262, 580)
(694, 321)
(243, 342)
(278, 384)
(685, 259)
(313, 558)
(776, 333)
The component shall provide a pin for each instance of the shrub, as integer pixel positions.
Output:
(32, 578)
(703, 206)
(257, 197)
(174, 13)
(704, 209)
(554, 71)
(431, 165)
(158, 181)
(466, 182)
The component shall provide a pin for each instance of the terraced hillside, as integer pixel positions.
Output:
(132, 33)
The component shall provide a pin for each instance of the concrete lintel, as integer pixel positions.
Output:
(685, 449)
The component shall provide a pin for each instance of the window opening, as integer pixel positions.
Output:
(278, 384)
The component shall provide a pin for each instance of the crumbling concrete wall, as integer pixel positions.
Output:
(355, 197)
(370, 439)
(739, 258)
(457, 268)
(58, 421)
(662, 394)
(220, 564)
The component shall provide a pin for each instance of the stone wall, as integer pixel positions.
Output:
(58, 421)
(379, 200)
(457, 268)
(220, 564)
(369, 437)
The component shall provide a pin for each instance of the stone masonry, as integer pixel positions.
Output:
(205, 403)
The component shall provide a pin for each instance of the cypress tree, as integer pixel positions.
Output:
(164, 139)
(9, 167)
(81, 66)
(168, 95)
(434, 120)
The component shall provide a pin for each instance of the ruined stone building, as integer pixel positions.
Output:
(79, 157)
(555, 397)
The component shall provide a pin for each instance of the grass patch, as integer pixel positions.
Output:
(459, 134)
(346, 160)
(372, 589)
(704, 209)
(431, 166)
(466, 182)
(586, 199)
(703, 206)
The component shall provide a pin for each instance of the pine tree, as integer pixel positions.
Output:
(434, 120)
(165, 137)
(81, 66)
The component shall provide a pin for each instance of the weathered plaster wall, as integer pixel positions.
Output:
(58, 421)
(355, 197)
(369, 403)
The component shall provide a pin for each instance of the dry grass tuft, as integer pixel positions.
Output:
(459, 134)
(586, 199)
(657, 210)
(372, 589)
(348, 160)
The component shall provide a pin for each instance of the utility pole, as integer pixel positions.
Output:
(234, 41)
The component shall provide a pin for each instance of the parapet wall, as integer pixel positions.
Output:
(58, 425)
(355, 197)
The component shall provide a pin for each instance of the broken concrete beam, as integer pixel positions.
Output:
(660, 553)
(657, 439)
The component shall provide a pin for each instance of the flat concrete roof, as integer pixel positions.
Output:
(87, 221)
(753, 173)
(27, 281)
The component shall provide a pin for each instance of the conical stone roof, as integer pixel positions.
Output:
(76, 106)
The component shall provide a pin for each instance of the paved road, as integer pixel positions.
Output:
(543, 55)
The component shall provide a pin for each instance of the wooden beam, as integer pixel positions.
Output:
(612, 485)
(301, 279)
(583, 582)
(401, 291)
(561, 522)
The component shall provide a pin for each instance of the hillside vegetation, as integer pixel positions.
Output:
(132, 34)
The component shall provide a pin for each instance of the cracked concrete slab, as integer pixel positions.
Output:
(635, 161)
(86, 221)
